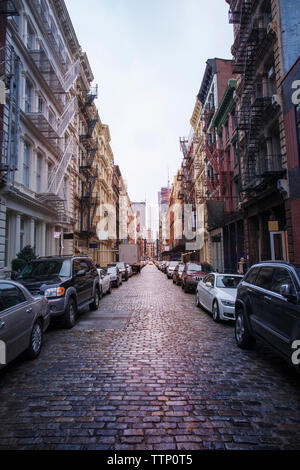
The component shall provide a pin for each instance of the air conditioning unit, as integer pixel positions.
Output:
(275, 100)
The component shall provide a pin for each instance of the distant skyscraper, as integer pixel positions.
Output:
(163, 198)
(140, 210)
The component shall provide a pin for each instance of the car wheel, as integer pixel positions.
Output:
(70, 315)
(243, 337)
(36, 339)
(96, 302)
(185, 289)
(215, 312)
(109, 290)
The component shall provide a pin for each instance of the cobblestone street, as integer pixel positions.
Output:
(149, 371)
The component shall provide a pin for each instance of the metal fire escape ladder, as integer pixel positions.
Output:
(55, 182)
(67, 116)
(55, 195)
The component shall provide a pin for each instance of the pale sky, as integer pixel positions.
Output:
(148, 58)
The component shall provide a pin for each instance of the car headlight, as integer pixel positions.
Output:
(228, 303)
(55, 292)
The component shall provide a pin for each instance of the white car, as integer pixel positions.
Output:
(104, 281)
(170, 268)
(216, 293)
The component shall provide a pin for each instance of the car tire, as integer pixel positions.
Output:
(198, 303)
(185, 289)
(36, 340)
(243, 337)
(109, 290)
(70, 315)
(97, 297)
(215, 312)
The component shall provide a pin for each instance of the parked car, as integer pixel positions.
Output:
(177, 274)
(165, 267)
(23, 320)
(104, 281)
(70, 283)
(216, 293)
(115, 276)
(170, 269)
(267, 307)
(193, 272)
(129, 270)
(123, 270)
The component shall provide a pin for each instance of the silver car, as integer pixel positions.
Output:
(23, 320)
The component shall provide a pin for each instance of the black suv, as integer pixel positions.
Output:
(267, 307)
(70, 283)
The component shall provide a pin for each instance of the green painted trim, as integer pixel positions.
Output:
(226, 106)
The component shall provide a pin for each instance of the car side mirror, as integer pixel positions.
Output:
(285, 291)
(80, 273)
(208, 284)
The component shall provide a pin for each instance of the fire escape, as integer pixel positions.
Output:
(89, 201)
(186, 174)
(252, 40)
(10, 73)
(213, 157)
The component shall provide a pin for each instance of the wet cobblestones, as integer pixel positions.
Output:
(169, 379)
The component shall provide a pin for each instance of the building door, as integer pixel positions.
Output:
(278, 246)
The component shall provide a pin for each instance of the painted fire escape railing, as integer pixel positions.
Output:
(56, 181)
(70, 77)
(67, 116)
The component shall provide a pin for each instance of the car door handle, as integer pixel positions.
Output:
(2, 324)
(29, 310)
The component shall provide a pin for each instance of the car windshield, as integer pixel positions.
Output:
(46, 268)
(121, 265)
(199, 267)
(228, 282)
(173, 264)
(111, 270)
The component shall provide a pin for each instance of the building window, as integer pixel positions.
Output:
(236, 153)
(50, 173)
(39, 163)
(51, 117)
(28, 96)
(30, 38)
(40, 105)
(26, 164)
(22, 233)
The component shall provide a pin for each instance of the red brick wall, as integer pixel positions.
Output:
(224, 71)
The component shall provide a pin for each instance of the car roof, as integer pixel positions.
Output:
(227, 274)
(276, 262)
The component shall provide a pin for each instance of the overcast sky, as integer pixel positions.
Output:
(148, 58)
